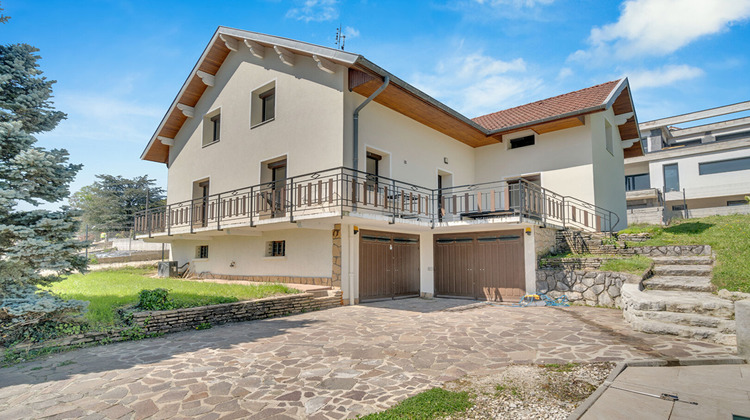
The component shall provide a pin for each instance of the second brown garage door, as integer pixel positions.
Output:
(485, 265)
(388, 265)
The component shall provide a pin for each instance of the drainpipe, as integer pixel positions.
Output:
(351, 263)
(355, 139)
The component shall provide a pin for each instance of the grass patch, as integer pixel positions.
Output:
(555, 367)
(729, 236)
(108, 290)
(435, 403)
(636, 264)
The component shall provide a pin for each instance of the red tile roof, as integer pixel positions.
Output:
(548, 108)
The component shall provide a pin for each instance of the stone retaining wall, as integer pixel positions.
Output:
(182, 319)
(572, 263)
(593, 288)
(672, 250)
(317, 281)
(187, 318)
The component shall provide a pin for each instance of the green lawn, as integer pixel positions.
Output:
(636, 264)
(729, 236)
(111, 289)
(435, 403)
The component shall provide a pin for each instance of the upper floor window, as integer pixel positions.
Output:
(263, 104)
(671, 178)
(373, 169)
(522, 142)
(609, 138)
(720, 166)
(637, 182)
(212, 127)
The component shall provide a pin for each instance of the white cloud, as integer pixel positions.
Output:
(659, 27)
(477, 84)
(351, 32)
(315, 10)
(663, 76)
(99, 118)
(564, 73)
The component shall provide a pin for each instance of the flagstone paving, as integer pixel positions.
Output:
(330, 364)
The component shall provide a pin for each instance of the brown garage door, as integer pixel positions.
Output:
(485, 265)
(388, 265)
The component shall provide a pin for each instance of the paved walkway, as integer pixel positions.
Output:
(703, 392)
(328, 364)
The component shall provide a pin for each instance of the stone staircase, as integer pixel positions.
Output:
(679, 300)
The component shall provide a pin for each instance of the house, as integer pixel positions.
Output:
(300, 163)
(696, 170)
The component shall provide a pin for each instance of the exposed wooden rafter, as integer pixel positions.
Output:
(324, 64)
(208, 79)
(166, 140)
(187, 111)
(230, 42)
(255, 48)
(286, 56)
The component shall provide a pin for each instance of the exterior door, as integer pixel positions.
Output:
(485, 265)
(388, 265)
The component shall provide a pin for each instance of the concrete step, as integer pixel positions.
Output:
(724, 326)
(683, 270)
(676, 301)
(698, 260)
(652, 326)
(680, 283)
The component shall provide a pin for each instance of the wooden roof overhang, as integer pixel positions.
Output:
(364, 78)
(625, 119)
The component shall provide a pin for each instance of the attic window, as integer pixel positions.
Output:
(263, 104)
(522, 142)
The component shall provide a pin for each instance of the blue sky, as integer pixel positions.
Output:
(119, 64)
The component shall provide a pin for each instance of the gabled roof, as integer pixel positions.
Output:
(365, 77)
(563, 105)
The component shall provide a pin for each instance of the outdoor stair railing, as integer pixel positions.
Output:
(341, 191)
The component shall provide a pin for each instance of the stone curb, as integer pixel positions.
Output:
(620, 367)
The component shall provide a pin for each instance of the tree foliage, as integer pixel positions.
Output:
(111, 202)
(36, 246)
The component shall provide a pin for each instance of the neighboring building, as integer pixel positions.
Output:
(693, 171)
(282, 169)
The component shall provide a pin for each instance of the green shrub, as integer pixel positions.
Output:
(155, 300)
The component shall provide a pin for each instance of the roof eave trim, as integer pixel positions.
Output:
(530, 124)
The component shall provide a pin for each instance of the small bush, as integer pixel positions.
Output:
(155, 300)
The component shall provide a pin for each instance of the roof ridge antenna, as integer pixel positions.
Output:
(340, 38)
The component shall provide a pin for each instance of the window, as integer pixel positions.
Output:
(736, 202)
(671, 178)
(212, 127)
(201, 251)
(679, 207)
(720, 166)
(522, 142)
(275, 249)
(263, 104)
(216, 121)
(637, 182)
(373, 170)
(609, 138)
(268, 100)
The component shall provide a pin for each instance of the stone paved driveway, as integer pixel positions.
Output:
(328, 364)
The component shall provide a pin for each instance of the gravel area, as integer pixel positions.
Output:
(531, 392)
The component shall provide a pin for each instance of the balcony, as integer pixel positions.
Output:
(340, 192)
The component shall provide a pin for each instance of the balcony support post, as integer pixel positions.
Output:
(291, 200)
(218, 211)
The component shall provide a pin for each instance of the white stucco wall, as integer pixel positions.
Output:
(308, 125)
(404, 139)
(704, 186)
(609, 168)
(308, 254)
(562, 158)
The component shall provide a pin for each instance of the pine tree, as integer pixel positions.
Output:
(36, 246)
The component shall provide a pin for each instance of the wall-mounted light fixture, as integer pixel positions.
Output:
(445, 160)
(528, 231)
(356, 230)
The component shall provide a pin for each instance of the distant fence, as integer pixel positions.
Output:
(129, 244)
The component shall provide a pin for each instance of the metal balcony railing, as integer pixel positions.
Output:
(339, 190)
